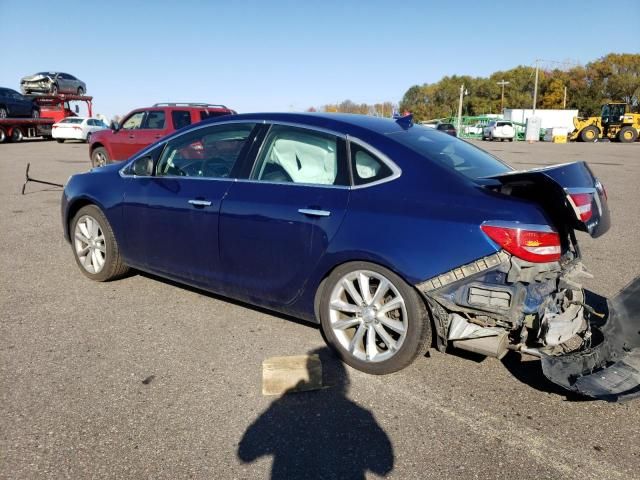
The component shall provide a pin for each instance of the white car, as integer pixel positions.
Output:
(76, 128)
(501, 129)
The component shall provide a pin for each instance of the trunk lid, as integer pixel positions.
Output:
(569, 193)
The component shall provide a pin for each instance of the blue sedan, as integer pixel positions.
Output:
(392, 236)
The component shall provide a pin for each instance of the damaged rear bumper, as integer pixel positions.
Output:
(501, 302)
(610, 368)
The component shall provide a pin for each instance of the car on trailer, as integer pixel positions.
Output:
(52, 83)
(14, 104)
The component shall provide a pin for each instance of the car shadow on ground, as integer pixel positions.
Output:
(320, 433)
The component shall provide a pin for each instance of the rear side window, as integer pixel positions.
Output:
(204, 114)
(366, 167)
(155, 120)
(180, 118)
(450, 152)
(298, 155)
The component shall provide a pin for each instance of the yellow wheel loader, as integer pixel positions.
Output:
(615, 123)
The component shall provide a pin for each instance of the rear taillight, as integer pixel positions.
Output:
(534, 243)
(581, 203)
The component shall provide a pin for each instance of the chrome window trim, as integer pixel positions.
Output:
(395, 169)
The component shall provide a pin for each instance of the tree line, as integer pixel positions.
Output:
(614, 77)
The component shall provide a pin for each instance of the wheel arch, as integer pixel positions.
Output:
(74, 207)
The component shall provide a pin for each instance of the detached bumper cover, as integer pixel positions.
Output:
(610, 370)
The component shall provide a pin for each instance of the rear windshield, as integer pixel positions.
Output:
(446, 126)
(502, 124)
(72, 120)
(446, 150)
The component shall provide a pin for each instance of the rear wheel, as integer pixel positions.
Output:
(3, 135)
(627, 135)
(100, 157)
(88, 139)
(94, 245)
(54, 89)
(60, 140)
(589, 134)
(3, 112)
(80, 91)
(16, 135)
(35, 113)
(373, 319)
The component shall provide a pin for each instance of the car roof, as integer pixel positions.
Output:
(332, 121)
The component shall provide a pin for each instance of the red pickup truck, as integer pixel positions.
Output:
(143, 126)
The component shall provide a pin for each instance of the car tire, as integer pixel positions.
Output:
(3, 135)
(60, 140)
(88, 139)
(3, 112)
(357, 327)
(94, 245)
(100, 157)
(54, 89)
(17, 135)
(35, 113)
(627, 135)
(80, 91)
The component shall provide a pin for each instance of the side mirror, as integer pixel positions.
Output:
(143, 166)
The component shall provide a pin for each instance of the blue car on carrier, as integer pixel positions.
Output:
(392, 236)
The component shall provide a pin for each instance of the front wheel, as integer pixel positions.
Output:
(373, 319)
(627, 134)
(80, 91)
(3, 112)
(94, 245)
(35, 113)
(100, 157)
(54, 89)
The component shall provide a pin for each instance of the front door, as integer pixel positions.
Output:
(275, 226)
(122, 141)
(171, 217)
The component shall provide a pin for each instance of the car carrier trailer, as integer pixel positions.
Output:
(53, 108)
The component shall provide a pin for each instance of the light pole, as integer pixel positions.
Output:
(502, 83)
(535, 89)
(463, 92)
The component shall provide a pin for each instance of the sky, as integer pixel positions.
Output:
(273, 55)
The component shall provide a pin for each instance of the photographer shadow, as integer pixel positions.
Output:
(320, 433)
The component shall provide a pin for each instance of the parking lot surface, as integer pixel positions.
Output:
(142, 378)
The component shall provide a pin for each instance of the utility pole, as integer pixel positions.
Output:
(502, 83)
(564, 100)
(460, 108)
(535, 90)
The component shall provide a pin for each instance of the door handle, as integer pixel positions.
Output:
(314, 213)
(200, 203)
(158, 136)
(131, 136)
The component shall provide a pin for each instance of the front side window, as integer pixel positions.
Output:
(206, 152)
(134, 121)
(297, 155)
(155, 120)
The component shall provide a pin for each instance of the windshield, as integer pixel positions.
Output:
(446, 150)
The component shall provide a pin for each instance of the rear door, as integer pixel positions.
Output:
(275, 226)
(171, 218)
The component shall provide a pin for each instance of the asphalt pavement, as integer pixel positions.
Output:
(142, 378)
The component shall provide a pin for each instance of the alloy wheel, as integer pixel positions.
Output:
(89, 244)
(100, 159)
(368, 316)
